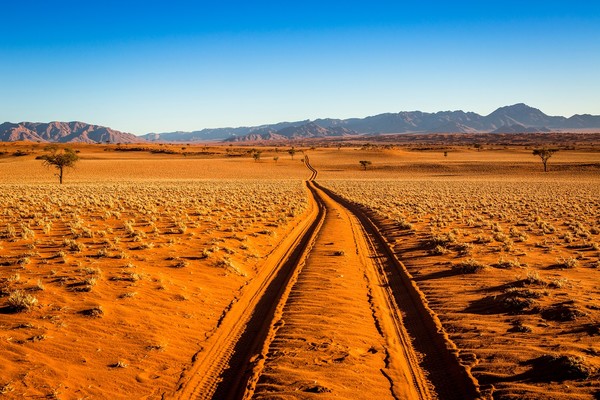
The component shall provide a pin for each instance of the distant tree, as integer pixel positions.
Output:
(256, 155)
(477, 146)
(59, 159)
(545, 155)
(445, 154)
(292, 152)
(276, 158)
(365, 164)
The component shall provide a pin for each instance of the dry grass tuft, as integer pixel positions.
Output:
(470, 266)
(20, 301)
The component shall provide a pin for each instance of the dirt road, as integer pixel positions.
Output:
(333, 313)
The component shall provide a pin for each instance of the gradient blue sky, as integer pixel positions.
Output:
(150, 66)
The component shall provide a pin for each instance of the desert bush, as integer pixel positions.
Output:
(558, 283)
(73, 245)
(442, 239)
(228, 265)
(519, 300)
(533, 278)
(553, 367)
(20, 301)
(404, 225)
(482, 239)
(94, 312)
(39, 285)
(26, 232)
(9, 233)
(562, 312)
(519, 326)
(570, 262)
(438, 250)
(181, 264)
(506, 264)
(470, 266)
(464, 249)
(518, 304)
(23, 261)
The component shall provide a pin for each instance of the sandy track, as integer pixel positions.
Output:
(333, 313)
(439, 357)
(337, 333)
(219, 368)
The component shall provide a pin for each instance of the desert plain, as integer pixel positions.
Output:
(205, 271)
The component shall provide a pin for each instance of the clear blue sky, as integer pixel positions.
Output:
(150, 66)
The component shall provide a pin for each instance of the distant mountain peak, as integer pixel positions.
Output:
(517, 108)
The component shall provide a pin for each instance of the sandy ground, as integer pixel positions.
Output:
(329, 339)
(123, 311)
(527, 319)
(130, 274)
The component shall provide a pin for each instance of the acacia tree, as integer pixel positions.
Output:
(545, 155)
(292, 152)
(256, 155)
(60, 159)
(365, 164)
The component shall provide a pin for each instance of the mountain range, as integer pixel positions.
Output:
(518, 118)
(63, 132)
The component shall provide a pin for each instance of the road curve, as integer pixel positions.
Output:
(332, 311)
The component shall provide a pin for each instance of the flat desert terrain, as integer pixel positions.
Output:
(206, 271)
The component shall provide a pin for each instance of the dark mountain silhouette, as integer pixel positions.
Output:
(63, 132)
(518, 118)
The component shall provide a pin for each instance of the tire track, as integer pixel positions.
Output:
(439, 355)
(420, 360)
(220, 369)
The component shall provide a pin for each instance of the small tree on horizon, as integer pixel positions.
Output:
(60, 160)
(276, 158)
(365, 164)
(256, 156)
(292, 152)
(545, 155)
